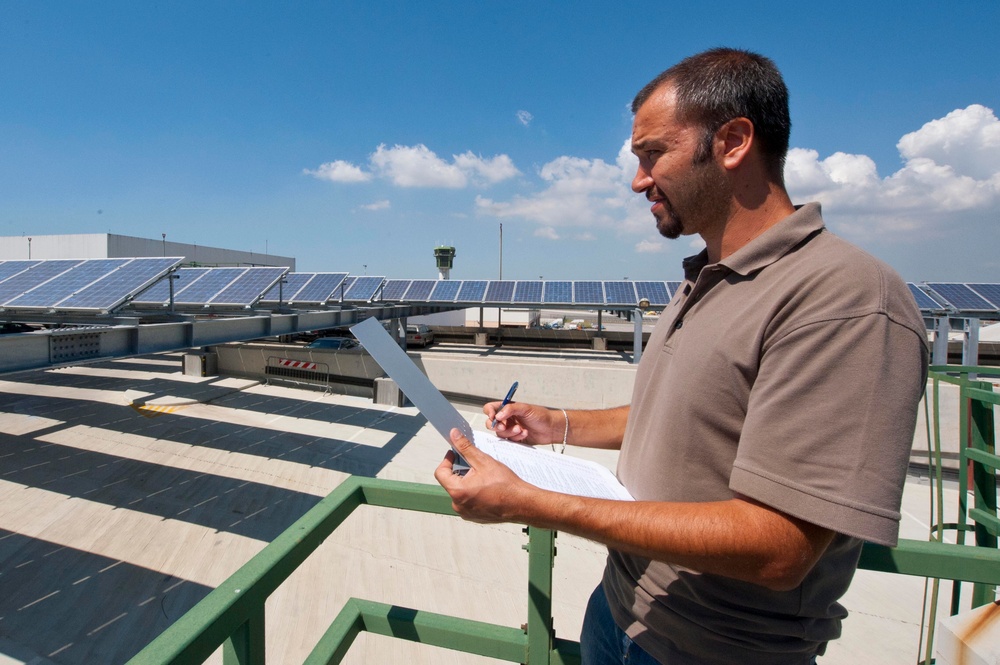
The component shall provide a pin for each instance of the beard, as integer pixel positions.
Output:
(704, 200)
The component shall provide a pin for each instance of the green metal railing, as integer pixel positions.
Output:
(232, 615)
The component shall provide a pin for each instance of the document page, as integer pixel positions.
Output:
(552, 471)
(542, 468)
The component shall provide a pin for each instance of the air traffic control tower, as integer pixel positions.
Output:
(445, 257)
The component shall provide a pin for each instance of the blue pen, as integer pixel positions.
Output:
(506, 401)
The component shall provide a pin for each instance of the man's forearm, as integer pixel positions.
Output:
(738, 538)
(597, 429)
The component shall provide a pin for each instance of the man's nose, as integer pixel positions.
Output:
(642, 180)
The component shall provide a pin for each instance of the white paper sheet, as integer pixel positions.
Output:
(542, 468)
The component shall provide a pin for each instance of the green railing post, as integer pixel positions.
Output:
(246, 645)
(981, 431)
(541, 554)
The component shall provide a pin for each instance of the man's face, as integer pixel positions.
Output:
(688, 189)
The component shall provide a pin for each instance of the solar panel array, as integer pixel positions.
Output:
(77, 285)
(975, 299)
(527, 292)
(310, 288)
(204, 287)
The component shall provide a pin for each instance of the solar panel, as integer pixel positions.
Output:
(207, 286)
(674, 288)
(445, 291)
(117, 286)
(420, 290)
(558, 292)
(588, 293)
(322, 287)
(35, 276)
(499, 291)
(345, 286)
(528, 292)
(363, 289)
(655, 292)
(472, 291)
(11, 268)
(247, 288)
(288, 288)
(620, 293)
(159, 293)
(395, 288)
(924, 301)
(66, 284)
(989, 291)
(961, 296)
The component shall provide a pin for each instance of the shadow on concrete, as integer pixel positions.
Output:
(116, 607)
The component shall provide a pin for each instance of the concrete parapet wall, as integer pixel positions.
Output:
(577, 384)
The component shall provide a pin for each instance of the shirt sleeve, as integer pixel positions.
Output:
(830, 423)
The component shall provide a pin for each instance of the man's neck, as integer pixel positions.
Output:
(745, 223)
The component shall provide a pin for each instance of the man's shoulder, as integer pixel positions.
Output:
(845, 280)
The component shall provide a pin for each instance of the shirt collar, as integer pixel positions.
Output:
(766, 248)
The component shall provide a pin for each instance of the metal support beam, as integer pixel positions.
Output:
(637, 336)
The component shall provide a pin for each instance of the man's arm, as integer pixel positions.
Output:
(738, 538)
(529, 423)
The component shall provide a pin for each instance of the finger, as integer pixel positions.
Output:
(445, 472)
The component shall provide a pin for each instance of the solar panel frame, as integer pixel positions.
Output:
(989, 292)
(159, 293)
(420, 290)
(961, 297)
(655, 292)
(527, 291)
(473, 290)
(287, 291)
(35, 276)
(395, 289)
(249, 287)
(925, 301)
(363, 289)
(499, 291)
(322, 288)
(559, 292)
(588, 292)
(620, 293)
(117, 287)
(445, 290)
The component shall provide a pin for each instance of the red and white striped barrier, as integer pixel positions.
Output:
(296, 364)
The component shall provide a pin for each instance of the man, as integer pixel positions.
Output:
(773, 410)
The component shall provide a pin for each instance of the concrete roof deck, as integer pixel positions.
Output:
(128, 491)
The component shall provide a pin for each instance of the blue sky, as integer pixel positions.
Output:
(350, 134)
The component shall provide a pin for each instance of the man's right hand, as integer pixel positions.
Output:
(525, 423)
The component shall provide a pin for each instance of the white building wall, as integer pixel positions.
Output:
(110, 245)
(75, 246)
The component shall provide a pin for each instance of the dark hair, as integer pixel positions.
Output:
(718, 85)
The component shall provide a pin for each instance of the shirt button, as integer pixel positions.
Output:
(679, 324)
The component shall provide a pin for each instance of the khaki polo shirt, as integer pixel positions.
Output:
(790, 373)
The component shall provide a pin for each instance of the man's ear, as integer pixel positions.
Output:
(737, 137)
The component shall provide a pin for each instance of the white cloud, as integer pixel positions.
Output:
(384, 204)
(649, 247)
(546, 232)
(524, 118)
(951, 165)
(339, 171)
(419, 166)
